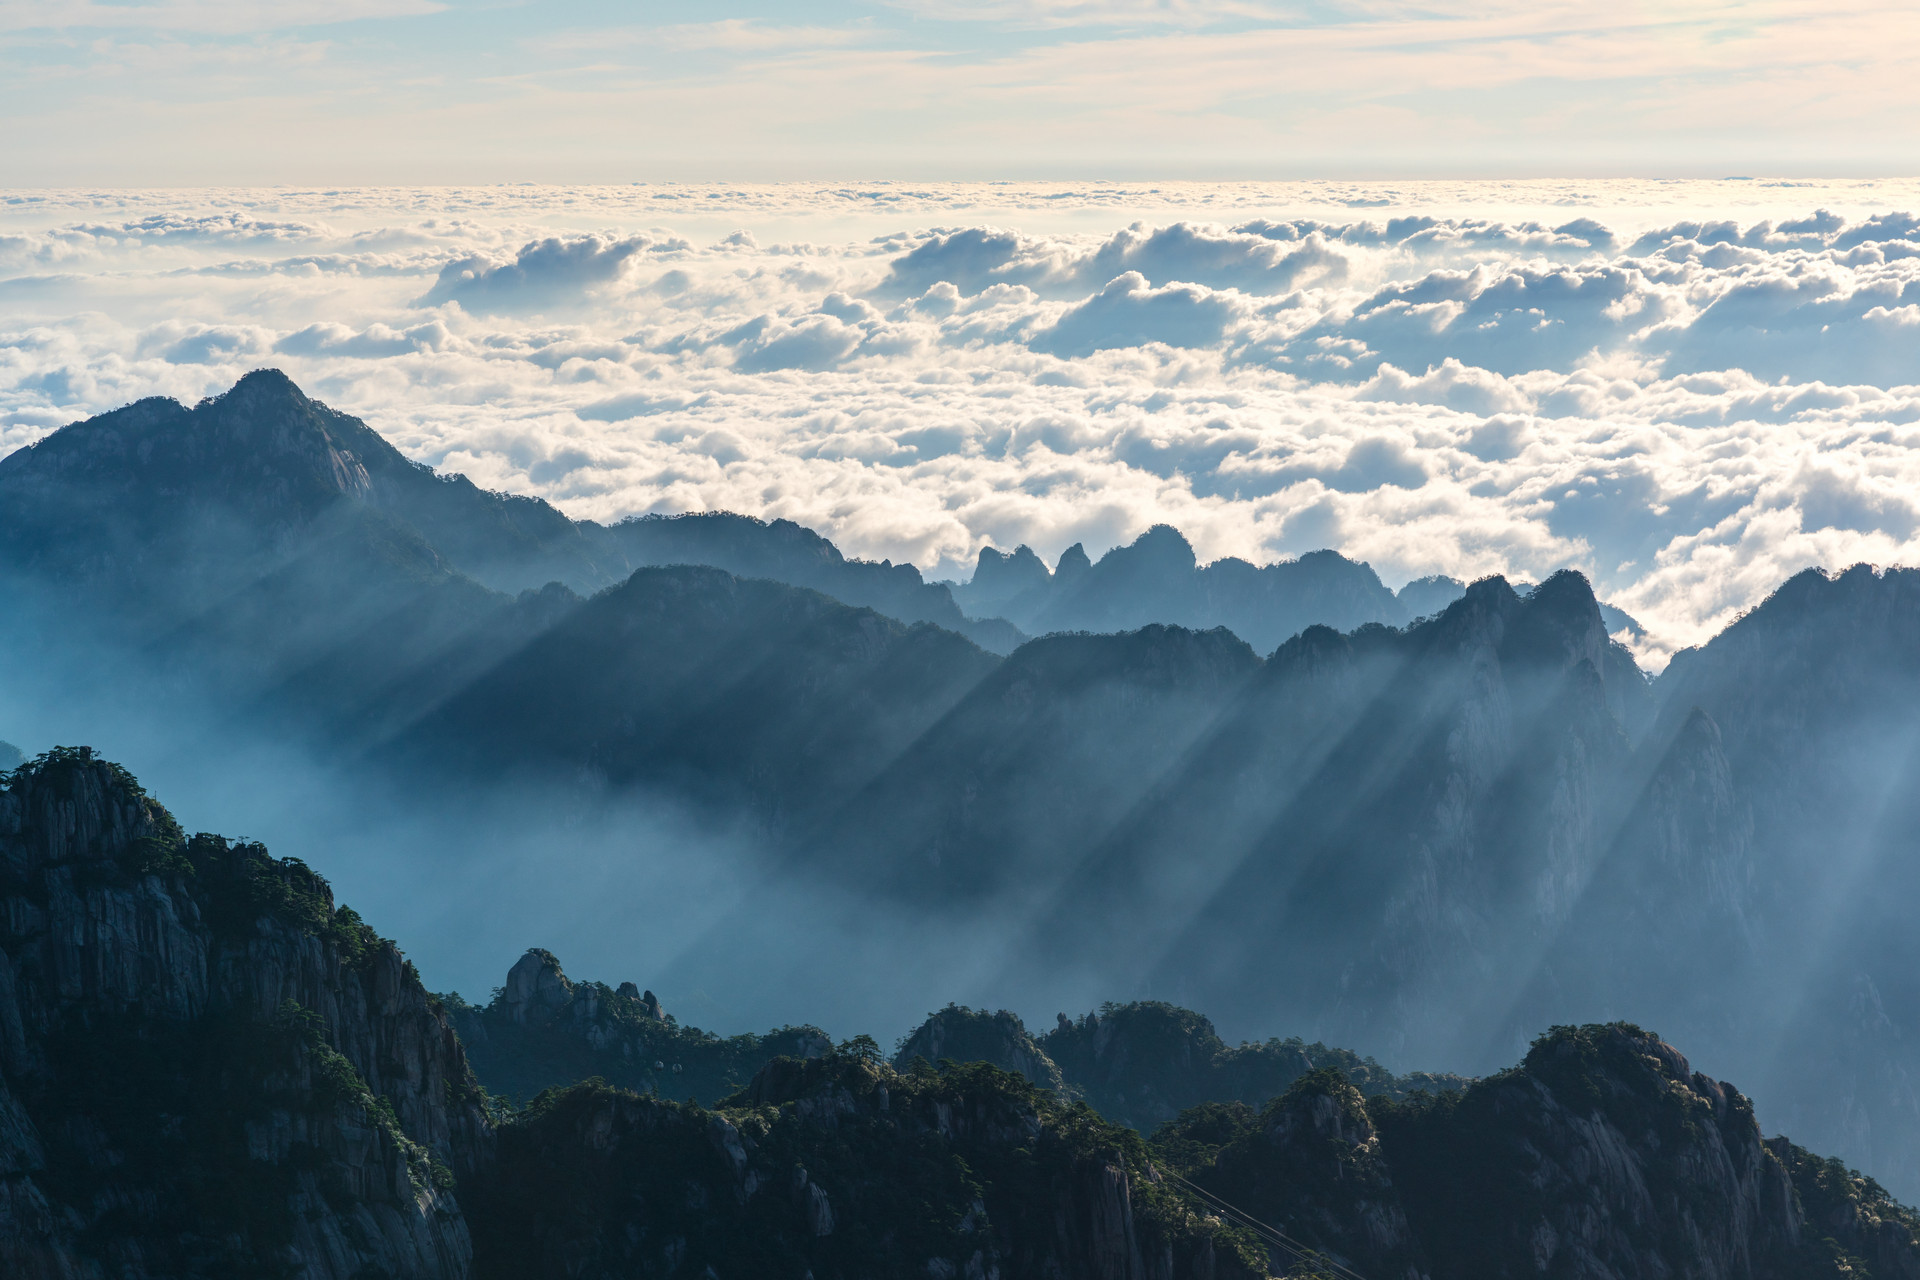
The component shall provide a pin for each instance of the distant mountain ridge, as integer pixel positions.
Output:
(1158, 579)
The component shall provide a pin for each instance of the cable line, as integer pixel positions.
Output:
(1272, 1236)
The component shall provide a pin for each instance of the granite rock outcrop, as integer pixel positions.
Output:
(206, 1067)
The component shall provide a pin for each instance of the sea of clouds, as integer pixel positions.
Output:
(1687, 390)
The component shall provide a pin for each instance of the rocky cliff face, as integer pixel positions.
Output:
(968, 1035)
(545, 1030)
(1603, 1155)
(1139, 1064)
(1815, 696)
(1312, 1160)
(209, 1069)
(205, 1067)
(840, 1166)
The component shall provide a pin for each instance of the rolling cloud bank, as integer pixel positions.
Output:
(1459, 381)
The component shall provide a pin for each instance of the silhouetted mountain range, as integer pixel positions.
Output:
(738, 691)
(1157, 579)
(1426, 839)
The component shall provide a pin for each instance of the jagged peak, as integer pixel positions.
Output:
(1811, 590)
(261, 387)
(536, 988)
(1557, 624)
(1567, 590)
(1566, 1054)
(1322, 1103)
(1699, 730)
(1162, 547)
(260, 445)
(70, 803)
(1494, 588)
(1311, 650)
(1013, 570)
(975, 1035)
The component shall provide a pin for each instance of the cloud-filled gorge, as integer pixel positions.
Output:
(1687, 400)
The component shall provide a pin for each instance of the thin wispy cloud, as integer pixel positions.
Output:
(223, 17)
(928, 88)
(1044, 14)
(740, 36)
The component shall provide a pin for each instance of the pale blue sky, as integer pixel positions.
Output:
(347, 91)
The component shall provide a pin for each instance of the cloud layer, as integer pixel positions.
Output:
(1441, 380)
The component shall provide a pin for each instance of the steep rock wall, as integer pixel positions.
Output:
(206, 1067)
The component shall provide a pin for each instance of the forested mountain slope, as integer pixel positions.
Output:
(206, 1066)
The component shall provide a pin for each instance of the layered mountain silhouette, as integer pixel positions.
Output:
(1426, 834)
(739, 692)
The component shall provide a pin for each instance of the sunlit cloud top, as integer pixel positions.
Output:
(1688, 391)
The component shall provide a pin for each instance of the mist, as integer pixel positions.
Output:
(703, 910)
(715, 757)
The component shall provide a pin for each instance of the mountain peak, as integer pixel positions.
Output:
(1073, 563)
(536, 988)
(1567, 589)
(71, 804)
(1559, 623)
(1162, 546)
(262, 385)
(262, 452)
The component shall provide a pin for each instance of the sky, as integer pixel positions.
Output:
(197, 92)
